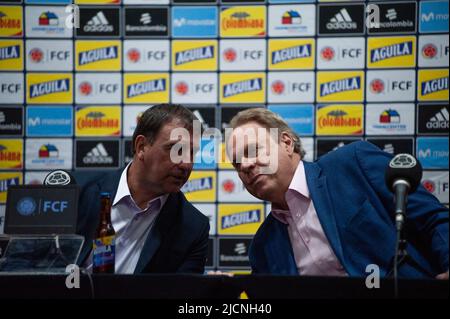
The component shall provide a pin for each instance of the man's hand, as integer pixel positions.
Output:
(443, 276)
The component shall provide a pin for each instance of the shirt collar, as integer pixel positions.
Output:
(123, 191)
(298, 185)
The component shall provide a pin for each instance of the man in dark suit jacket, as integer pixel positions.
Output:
(334, 216)
(157, 229)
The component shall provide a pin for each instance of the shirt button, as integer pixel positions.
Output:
(298, 215)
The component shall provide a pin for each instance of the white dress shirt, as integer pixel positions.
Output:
(132, 226)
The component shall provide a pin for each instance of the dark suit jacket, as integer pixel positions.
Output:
(177, 243)
(355, 209)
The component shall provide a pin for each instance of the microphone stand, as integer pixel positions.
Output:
(401, 198)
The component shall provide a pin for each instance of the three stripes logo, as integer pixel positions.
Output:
(433, 119)
(342, 21)
(98, 23)
(98, 156)
(439, 121)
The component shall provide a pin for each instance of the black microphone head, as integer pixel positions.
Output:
(404, 167)
(59, 177)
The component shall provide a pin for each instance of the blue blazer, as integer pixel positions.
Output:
(355, 209)
(177, 243)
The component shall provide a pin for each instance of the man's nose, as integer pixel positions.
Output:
(185, 166)
(247, 165)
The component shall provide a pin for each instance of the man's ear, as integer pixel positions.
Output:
(287, 142)
(139, 145)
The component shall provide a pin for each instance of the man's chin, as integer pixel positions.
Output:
(263, 193)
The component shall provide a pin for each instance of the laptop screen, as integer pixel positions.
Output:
(41, 210)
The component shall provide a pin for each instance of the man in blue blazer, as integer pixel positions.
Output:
(335, 216)
(157, 229)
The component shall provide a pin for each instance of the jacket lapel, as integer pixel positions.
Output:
(278, 250)
(317, 185)
(164, 221)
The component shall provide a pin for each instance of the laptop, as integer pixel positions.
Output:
(40, 223)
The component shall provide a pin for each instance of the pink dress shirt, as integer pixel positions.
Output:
(313, 253)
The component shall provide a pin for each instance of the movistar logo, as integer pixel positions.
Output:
(247, 86)
(391, 51)
(146, 87)
(339, 86)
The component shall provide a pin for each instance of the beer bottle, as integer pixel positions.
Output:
(104, 241)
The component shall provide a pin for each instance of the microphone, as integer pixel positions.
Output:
(403, 176)
(59, 178)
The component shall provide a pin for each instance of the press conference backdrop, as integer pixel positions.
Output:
(70, 97)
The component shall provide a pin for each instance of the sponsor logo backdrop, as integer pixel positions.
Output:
(71, 98)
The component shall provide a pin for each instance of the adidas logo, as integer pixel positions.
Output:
(342, 20)
(440, 120)
(98, 155)
(391, 14)
(98, 23)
